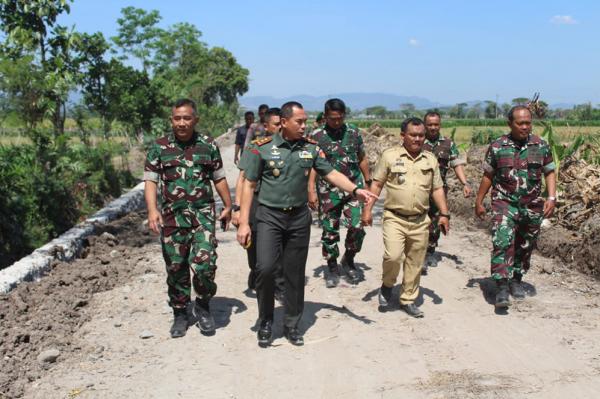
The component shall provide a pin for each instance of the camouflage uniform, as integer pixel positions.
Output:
(517, 209)
(447, 155)
(184, 172)
(343, 149)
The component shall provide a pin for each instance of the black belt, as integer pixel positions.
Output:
(410, 218)
(286, 209)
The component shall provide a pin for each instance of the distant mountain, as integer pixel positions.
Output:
(355, 101)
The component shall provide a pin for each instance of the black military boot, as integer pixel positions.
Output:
(516, 288)
(204, 320)
(350, 267)
(332, 275)
(502, 299)
(180, 323)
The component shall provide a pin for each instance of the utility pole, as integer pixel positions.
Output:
(496, 108)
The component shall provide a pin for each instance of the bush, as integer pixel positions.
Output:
(485, 136)
(48, 187)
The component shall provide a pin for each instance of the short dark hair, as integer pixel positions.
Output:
(272, 112)
(431, 113)
(287, 109)
(410, 121)
(335, 104)
(186, 102)
(511, 112)
(248, 113)
(263, 106)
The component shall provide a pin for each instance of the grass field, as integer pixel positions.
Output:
(464, 133)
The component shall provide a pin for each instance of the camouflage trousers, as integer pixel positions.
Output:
(434, 228)
(331, 210)
(190, 249)
(515, 229)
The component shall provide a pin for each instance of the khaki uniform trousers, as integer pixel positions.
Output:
(405, 240)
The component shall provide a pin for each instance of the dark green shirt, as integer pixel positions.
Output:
(282, 168)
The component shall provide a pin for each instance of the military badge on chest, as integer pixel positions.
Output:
(398, 171)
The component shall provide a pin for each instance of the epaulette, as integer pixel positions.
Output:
(262, 140)
(309, 140)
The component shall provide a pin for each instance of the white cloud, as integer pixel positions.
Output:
(563, 20)
(413, 42)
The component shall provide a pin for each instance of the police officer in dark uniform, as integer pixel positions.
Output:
(282, 163)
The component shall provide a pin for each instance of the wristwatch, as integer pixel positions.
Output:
(551, 199)
(354, 191)
(235, 208)
(368, 182)
(446, 215)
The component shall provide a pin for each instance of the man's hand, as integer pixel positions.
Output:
(480, 211)
(244, 235)
(549, 206)
(366, 218)
(235, 218)
(236, 159)
(467, 190)
(366, 196)
(313, 200)
(155, 222)
(444, 224)
(225, 217)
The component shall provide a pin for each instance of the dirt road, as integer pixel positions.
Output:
(547, 346)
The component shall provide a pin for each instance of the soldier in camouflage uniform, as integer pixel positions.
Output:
(344, 149)
(447, 155)
(181, 165)
(513, 167)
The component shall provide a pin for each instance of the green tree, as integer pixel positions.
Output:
(474, 111)
(378, 111)
(519, 100)
(182, 65)
(458, 111)
(22, 84)
(30, 28)
(491, 109)
(137, 31)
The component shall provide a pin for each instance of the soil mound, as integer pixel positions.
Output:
(39, 318)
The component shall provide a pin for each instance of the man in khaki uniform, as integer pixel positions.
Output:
(410, 175)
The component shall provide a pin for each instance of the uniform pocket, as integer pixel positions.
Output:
(505, 167)
(203, 165)
(171, 170)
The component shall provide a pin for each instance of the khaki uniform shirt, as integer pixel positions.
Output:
(409, 182)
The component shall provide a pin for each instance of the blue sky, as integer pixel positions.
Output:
(446, 51)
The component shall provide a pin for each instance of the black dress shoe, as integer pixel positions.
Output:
(293, 335)
(264, 333)
(332, 275)
(502, 299)
(385, 295)
(412, 310)
(350, 268)
(205, 321)
(180, 323)
(252, 280)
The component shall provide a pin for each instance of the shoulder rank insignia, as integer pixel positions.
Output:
(262, 140)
